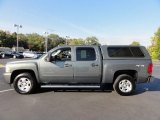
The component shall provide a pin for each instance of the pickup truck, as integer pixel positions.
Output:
(83, 67)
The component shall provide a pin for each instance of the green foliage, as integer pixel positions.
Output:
(135, 43)
(7, 39)
(23, 40)
(3, 38)
(154, 49)
(76, 42)
(92, 40)
(88, 41)
(54, 40)
(36, 42)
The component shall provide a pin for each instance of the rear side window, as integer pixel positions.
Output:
(125, 52)
(137, 52)
(85, 54)
(119, 52)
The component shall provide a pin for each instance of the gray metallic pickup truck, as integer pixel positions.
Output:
(89, 67)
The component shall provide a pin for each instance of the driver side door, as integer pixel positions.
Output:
(59, 69)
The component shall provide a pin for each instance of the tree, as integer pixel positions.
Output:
(7, 39)
(10, 40)
(92, 40)
(54, 40)
(76, 41)
(2, 38)
(23, 41)
(135, 43)
(154, 49)
(35, 42)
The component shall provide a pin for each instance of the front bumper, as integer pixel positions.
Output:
(7, 77)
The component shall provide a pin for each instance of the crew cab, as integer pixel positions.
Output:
(83, 67)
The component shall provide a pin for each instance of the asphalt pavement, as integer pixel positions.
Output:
(81, 105)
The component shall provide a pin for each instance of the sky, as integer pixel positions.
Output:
(113, 22)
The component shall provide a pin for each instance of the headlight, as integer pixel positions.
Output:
(7, 69)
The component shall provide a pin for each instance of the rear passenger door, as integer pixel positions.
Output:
(87, 65)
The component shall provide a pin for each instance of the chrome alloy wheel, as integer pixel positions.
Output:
(125, 86)
(24, 84)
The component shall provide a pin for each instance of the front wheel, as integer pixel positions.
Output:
(24, 83)
(124, 85)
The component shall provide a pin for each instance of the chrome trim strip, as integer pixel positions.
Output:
(70, 86)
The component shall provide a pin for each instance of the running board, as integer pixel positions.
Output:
(70, 86)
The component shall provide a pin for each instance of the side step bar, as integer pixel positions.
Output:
(70, 86)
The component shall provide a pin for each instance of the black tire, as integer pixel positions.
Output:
(24, 83)
(124, 85)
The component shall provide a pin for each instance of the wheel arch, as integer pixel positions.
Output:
(17, 72)
(132, 73)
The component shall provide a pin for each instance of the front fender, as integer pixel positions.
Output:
(25, 67)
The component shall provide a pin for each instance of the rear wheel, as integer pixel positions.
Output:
(124, 85)
(24, 83)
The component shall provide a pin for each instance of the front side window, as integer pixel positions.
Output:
(85, 54)
(62, 54)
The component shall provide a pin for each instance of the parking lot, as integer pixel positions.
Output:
(81, 105)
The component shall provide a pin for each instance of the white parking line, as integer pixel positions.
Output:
(6, 90)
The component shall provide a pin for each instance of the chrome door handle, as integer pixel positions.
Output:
(94, 65)
(67, 65)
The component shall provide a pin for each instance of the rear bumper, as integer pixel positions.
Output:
(145, 80)
(7, 77)
(149, 79)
